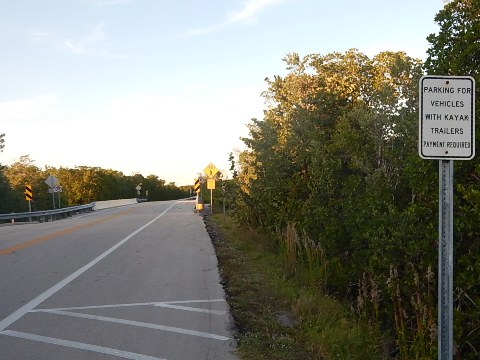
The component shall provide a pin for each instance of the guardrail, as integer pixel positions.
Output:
(100, 205)
(49, 215)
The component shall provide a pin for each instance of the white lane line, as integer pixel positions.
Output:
(54, 289)
(98, 306)
(155, 303)
(187, 308)
(193, 301)
(79, 345)
(138, 323)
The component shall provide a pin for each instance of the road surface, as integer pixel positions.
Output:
(134, 282)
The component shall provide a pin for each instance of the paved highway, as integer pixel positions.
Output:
(134, 282)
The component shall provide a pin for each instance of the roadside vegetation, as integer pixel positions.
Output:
(80, 185)
(280, 313)
(332, 179)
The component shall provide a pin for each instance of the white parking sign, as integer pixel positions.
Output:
(447, 117)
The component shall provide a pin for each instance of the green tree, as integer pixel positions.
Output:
(6, 196)
(455, 50)
(80, 185)
(335, 158)
(233, 168)
(24, 171)
(155, 187)
(2, 142)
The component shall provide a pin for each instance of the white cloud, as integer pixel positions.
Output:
(87, 44)
(84, 44)
(27, 108)
(250, 10)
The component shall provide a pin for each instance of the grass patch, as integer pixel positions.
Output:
(279, 315)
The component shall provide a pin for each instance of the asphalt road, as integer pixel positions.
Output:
(135, 282)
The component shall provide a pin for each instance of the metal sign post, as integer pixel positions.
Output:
(446, 133)
(445, 261)
(58, 190)
(223, 193)
(52, 181)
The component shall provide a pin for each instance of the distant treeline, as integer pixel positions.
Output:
(332, 172)
(80, 185)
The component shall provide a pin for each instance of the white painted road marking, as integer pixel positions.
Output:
(188, 308)
(137, 323)
(66, 311)
(9, 320)
(79, 345)
(155, 303)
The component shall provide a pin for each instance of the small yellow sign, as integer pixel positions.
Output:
(210, 184)
(210, 170)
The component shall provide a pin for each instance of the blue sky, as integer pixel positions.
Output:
(166, 87)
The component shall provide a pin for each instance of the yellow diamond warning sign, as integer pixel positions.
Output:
(210, 170)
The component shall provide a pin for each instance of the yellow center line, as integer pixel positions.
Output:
(70, 230)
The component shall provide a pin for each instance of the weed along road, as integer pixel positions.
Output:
(133, 282)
